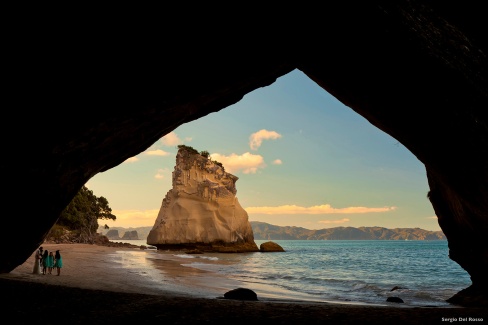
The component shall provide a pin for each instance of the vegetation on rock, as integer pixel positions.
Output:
(203, 153)
(79, 220)
(188, 148)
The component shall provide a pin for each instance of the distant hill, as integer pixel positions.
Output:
(266, 231)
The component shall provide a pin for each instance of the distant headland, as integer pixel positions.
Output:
(266, 231)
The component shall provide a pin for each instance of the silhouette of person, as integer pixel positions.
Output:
(44, 261)
(37, 261)
(41, 253)
(58, 262)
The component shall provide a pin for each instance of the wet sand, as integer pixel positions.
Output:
(105, 285)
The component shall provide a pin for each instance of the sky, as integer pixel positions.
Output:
(302, 157)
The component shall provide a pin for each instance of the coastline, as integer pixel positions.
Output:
(105, 284)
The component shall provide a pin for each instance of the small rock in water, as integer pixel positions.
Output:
(241, 294)
(397, 288)
(270, 246)
(394, 299)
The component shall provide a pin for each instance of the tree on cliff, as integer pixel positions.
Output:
(188, 148)
(205, 154)
(80, 217)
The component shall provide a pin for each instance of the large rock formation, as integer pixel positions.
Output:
(113, 234)
(130, 235)
(80, 105)
(201, 211)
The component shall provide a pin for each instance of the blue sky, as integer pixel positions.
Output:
(303, 159)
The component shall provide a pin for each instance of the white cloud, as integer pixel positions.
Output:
(277, 162)
(256, 139)
(157, 152)
(161, 173)
(171, 140)
(334, 221)
(247, 162)
(433, 217)
(131, 160)
(317, 209)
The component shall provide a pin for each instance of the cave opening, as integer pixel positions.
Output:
(308, 149)
(303, 160)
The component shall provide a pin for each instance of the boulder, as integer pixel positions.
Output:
(471, 296)
(270, 246)
(241, 294)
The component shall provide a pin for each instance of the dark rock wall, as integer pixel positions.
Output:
(82, 104)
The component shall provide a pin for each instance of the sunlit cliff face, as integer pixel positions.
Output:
(418, 73)
(201, 210)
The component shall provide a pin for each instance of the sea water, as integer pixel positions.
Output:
(345, 271)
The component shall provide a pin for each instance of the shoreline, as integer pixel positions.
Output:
(126, 274)
(116, 264)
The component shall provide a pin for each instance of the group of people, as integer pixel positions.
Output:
(46, 261)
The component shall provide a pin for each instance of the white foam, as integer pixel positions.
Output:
(184, 256)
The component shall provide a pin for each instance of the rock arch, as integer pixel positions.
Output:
(416, 70)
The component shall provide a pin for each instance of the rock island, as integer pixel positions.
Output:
(201, 211)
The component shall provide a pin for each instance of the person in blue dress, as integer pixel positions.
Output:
(58, 262)
(50, 262)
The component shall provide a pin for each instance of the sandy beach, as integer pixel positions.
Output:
(104, 285)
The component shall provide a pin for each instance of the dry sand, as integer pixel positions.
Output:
(105, 285)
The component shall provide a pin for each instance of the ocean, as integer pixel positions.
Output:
(342, 271)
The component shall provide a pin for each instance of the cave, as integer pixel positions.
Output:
(415, 70)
